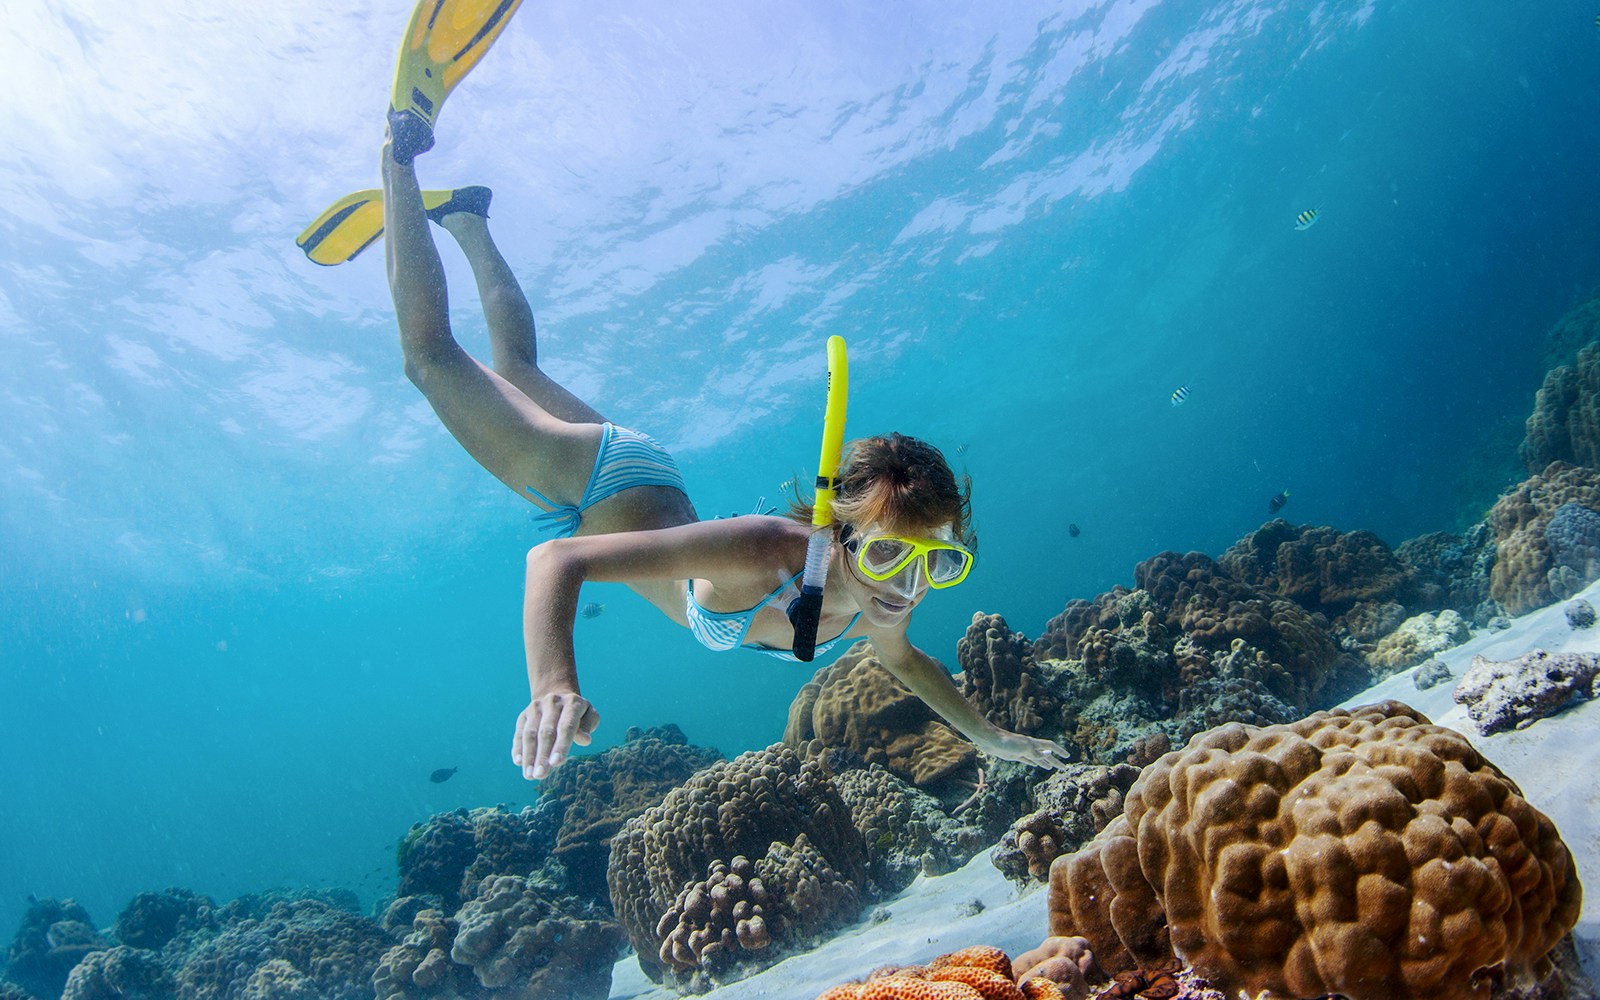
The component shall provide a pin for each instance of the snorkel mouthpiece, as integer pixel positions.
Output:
(805, 611)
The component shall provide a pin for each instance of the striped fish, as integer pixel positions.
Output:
(1180, 394)
(1305, 220)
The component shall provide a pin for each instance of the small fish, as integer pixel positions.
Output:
(1305, 220)
(1180, 394)
(1276, 503)
(593, 610)
(961, 449)
(1072, 529)
(442, 775)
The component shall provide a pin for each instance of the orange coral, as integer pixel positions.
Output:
(979, 956)
(989, 984)
(901, 988)
(1040, 988)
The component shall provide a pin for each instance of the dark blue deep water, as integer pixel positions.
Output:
(253, 594)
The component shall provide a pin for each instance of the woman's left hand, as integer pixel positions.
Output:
(1025, 750)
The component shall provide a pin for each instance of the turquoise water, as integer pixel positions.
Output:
(254, 594)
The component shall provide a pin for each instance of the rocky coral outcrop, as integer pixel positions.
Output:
(1565, 423)
(1367, 853)
(1417, 639)
(320, 949)
(1547, 538)
(1070, 807)
(517, 939)
(594, 795)
(856, 704)
(906, 831)
(449, 854)
(153, 919)
(1452, 571)
(54, 936)
(998, 676)
(420, 966)
(1321, 569)
(766, 835)
(120, 973)
(1511, 694)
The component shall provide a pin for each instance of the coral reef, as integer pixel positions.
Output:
(516, 938)
(449, 854)
(998, 676)
(1565, 423)
(595, 795)
(419, 966)
(764, 835)
(1541, 558)
(326, 952)
(976, 973)
(152, 919)
(1319, 568)
(905, 830)
(1516, 693)
(856, 704)
(1417, 639)
(120, 973)
(1066, 961)
(1070, 807)
(1367, 853)
(54, 936)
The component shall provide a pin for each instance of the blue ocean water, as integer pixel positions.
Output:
(254, 594)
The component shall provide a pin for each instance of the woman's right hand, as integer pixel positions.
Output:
(548, 727)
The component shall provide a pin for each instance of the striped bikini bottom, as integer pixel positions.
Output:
(626, 459)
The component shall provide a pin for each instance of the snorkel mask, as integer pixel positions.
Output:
(905, 561)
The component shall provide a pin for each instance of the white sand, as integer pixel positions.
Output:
(1556, 761)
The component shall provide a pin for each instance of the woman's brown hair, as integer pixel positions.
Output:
(901, 483)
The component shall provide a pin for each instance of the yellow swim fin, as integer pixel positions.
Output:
(445, 39)
(355, 222)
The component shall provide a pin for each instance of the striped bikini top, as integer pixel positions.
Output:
(725, 630)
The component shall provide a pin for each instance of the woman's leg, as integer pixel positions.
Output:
(499, 425)
(510, 320)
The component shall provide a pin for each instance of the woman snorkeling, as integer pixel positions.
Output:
(614, 498)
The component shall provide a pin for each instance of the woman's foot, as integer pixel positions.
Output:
(472, 200)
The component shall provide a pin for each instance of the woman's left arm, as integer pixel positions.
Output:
(928, 680)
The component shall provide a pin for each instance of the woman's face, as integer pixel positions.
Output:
(884, 602)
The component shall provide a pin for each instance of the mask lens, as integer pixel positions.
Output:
(882, 554)
(945, 565)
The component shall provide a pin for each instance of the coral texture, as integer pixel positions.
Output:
(1319, 568)
(1071, 806)
(1565, 423)
(151, 919)
(332, 950)
(596, 794)
(905, 830)
(1533, 565)
(856, 704)
(449, 854)
(1417, 639)
(1365, 853)
(1580, 614)
(54, 936)
(419, 966)
(764, 835)
(999, 677)
(515, 937)
(1512, 694)
(977, 973)
(120, 973)
(1431, 674)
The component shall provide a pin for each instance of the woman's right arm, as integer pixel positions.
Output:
(557, 714)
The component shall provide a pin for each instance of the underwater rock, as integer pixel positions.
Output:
(11, 991)
(1565, 423)
(152, 919)
(1499, 623)
(120, 973)
(1000, 677)
(1307, 901)
(767, 812)
(1319, 568)
(856, 704)
(326, 952)
(1580, 614)
(54, 936)
(594, 795)
(1539, 558)
(517, 938)
(1070, 807)
(1452, 571)
(1431, 674)
(1516, 693)
(1419, 638)
(450, 853)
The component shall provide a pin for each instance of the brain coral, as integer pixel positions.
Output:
(750, 853)
(1527, 574)
(857, 704)
(1365, 853)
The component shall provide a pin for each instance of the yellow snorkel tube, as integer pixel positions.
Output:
(806, 610)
